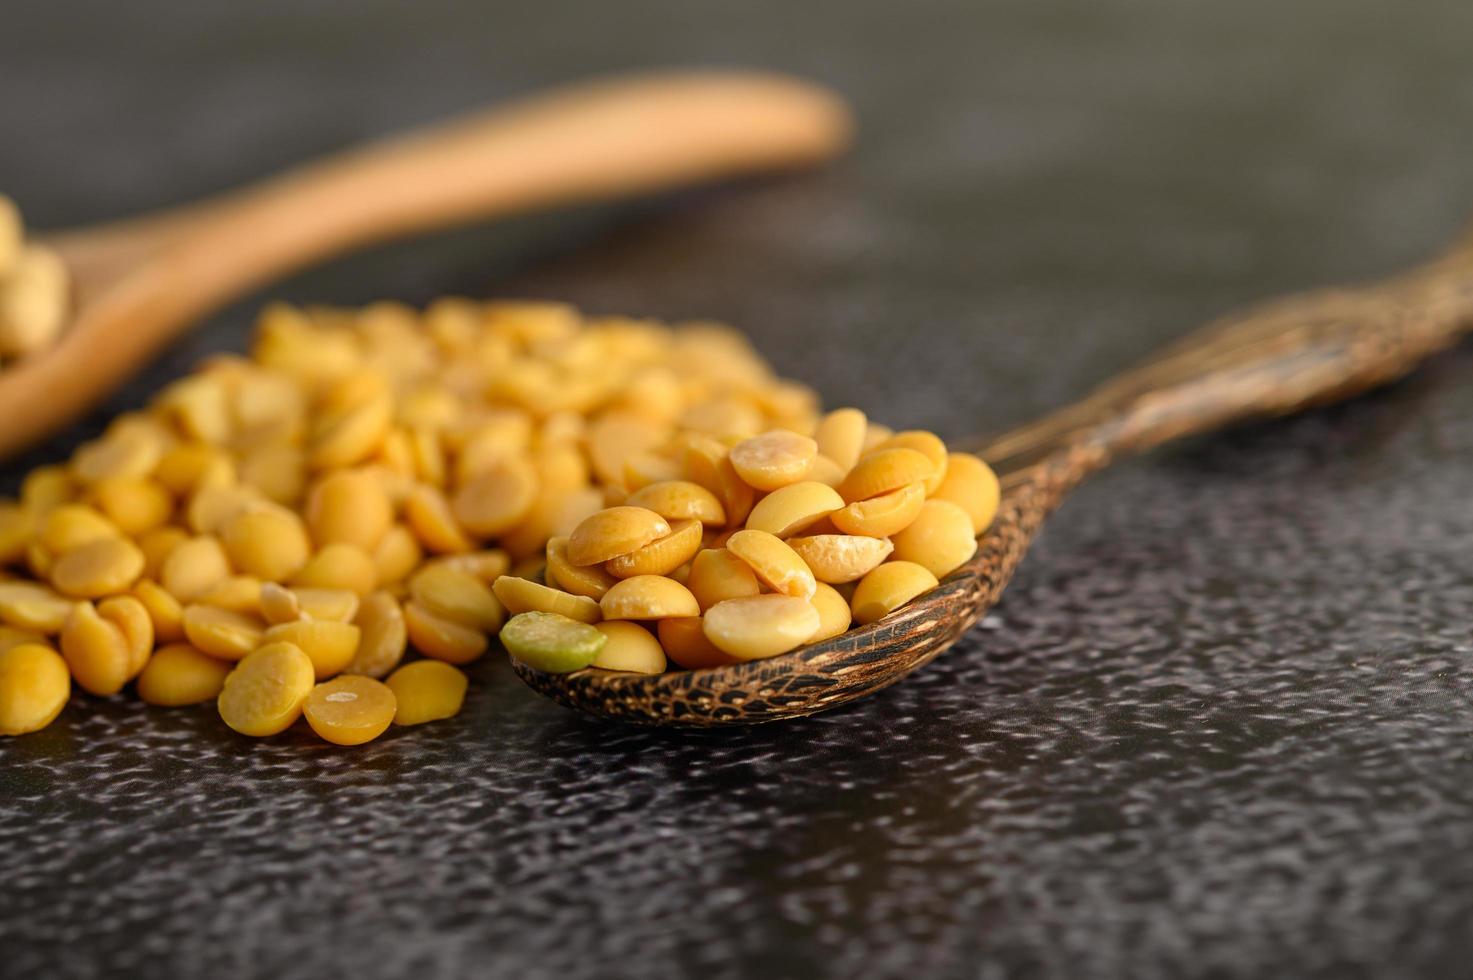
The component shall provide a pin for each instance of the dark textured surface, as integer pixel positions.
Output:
(1220, 724)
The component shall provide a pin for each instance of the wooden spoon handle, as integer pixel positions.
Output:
(593, 141)
(1275, 359)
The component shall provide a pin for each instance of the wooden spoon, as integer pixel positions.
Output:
(140, 282)
(1282, 357)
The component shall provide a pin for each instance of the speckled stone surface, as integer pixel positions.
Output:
(1221, 724)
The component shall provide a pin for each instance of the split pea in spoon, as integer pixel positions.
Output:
(1275, 359)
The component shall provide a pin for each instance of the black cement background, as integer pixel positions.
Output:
(1220, 725)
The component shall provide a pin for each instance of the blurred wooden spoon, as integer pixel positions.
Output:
(141, 282)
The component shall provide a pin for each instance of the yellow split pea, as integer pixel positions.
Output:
(339, 566)
(583, 580)
(329, 644)
(446, 591)
(685, 642)
(629, 647)
(34, 687)
(661, 556)
(840, 436)
(889, 587)
(266, 540)
(349, 507)
(971, 485)
(442, 638)
(613, 532)
(883, 470)
(426, 690)
(520, 595)
(178, 674)
(677, 500)
(71, 526)
(27, 605)
(774, 459)
(221, 632)
(648, 597)
(495, 501)
(133, 504)
(98, 568)
(351, 709)
(834, 614)
(838, 558)
(929, 445)
(428, 514)
(383, 636)
(165, 611)
(795, 508)
(940, 538)
(884, 515)
(238, 593)
(761, 626)
(707, 462)
(193, 567)
(717, 575)
(264, 694)
(774, 562)
(105, 646)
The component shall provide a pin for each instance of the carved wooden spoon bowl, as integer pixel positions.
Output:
(140, 282)
(1273, 360)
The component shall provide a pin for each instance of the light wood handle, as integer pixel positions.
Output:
(595, 141)
(143, 281)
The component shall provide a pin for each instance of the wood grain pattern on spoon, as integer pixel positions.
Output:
(140, 282)
(1279, 358)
